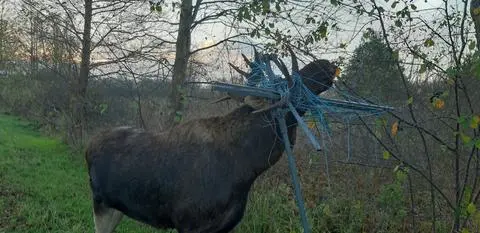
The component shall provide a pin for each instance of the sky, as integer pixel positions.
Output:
(350, 32)
(349, 23)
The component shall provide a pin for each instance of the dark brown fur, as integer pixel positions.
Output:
(194, 177)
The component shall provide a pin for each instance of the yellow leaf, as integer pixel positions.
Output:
(386, 155)
(475, 121)
(311, 124)
(476, 11)
(465, 138)
(438, 103)
(450, 82)
(337, 72)
(394, 128)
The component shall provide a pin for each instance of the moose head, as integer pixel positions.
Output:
(317, 76)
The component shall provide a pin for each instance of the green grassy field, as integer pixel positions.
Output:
(43, 186)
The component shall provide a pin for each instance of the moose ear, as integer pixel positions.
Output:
(249, 63)
(241, 72)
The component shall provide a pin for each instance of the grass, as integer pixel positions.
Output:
(43, 186)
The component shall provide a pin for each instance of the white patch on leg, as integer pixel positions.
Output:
(107, 220)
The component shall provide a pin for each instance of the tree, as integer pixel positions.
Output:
(372, 71)
(80, 83)
(182, 54)
(98, 33)
(475, 14)
(438, 119)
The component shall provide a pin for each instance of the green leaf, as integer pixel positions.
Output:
(265, 6)
(465, 138)
(240, 15)
(471, 45)
(253, 33)
(477, 144)
(452, 71)
(103, 108)
(471, 208)
(413, 7)
(386, 155)
(476, 218)
(178, 116)
(410, 100)
(394, 4)
(267, 31)
(463, 121)
(423, 69)
(398, 23)
(477, 72)
(464, 230)
(429, 42)
(401, 175)
(277, 6)
(396, 54)
(309, 20)
(322, 29)
(246, 15)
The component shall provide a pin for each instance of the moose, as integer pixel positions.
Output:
(196, 176)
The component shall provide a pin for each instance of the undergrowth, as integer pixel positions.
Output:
(44, 188)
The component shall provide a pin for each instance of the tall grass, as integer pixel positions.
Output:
(44, 188)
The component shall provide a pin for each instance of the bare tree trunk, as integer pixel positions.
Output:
(182, 55)
(34, 21)
(475, 13)
(80, 82)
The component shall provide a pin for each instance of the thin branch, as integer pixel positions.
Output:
(424, 142)
(406, 163)
(218, 43)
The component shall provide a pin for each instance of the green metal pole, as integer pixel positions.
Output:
(293, 171)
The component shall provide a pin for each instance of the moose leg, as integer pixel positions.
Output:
(106, 219)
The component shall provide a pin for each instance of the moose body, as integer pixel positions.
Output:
(194, 177)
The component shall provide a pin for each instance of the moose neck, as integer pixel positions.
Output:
(277, 143)
(257, 139)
